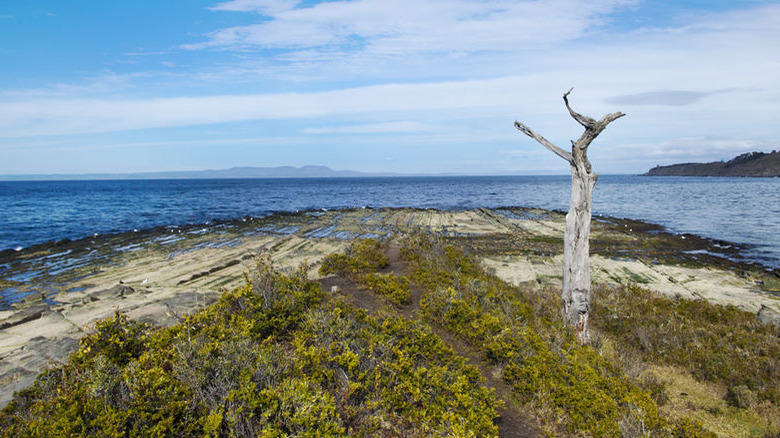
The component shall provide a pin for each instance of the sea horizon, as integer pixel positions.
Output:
(37, 212)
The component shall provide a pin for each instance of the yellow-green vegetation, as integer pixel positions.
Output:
(269, 359)
(394, 288)
(406, 376)
(573, 389)
(361, 258)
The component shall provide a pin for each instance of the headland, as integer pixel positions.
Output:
(56, 292)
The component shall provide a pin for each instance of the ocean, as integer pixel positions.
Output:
(740, 210)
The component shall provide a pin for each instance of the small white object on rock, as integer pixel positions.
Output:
(334, 289)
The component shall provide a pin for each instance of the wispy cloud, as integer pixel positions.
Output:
(677, 150)
(100, 85)
(70, 116)
(408, 26)
(265, 7)
(65, 144)
(373, 40)
(662, 97)
(372, 128)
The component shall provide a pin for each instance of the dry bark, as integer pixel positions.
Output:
(576, 246)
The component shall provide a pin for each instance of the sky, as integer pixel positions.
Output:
(404, 86)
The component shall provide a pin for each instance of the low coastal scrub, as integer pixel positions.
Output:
(361, 257)
(573, 389)
(714, 343)
(359, 262)
(715, 363)
(395, 289)
(271, 359)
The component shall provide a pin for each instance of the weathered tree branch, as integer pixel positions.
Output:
(585, 121)
(544, 142)
(609, 118)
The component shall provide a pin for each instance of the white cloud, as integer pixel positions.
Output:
(102, 84)
(373, 41)
(408, 26)
(639, 157)
(372, 128)
(265, 7)
(662, 97)
(70, 116)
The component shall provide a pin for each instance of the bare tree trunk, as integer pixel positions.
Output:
(576, 243)
(576, 249)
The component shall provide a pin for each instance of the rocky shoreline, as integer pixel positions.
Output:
(53, 293)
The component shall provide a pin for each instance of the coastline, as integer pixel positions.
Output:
(161, 274)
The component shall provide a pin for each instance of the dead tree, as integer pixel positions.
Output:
(576, 246)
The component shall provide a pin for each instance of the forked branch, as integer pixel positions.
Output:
(592, 130)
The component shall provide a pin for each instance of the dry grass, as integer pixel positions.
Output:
(705, 402)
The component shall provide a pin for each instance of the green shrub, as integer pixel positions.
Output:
(294, 407)
(394, 288)
(686, 428)
(361, 257)
(117, 338)
(393, 375)
(360, 262)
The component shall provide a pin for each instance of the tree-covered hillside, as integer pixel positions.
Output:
(752, 164)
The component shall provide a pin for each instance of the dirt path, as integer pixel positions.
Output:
(512, 423)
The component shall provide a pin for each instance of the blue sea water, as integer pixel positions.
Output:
(740, 210)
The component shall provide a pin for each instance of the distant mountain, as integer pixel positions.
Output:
(759, 164)
(235, 172)
(251, 172)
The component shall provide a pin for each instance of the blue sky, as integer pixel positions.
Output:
(377, 85)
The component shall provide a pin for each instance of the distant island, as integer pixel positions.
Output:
(751, 164)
